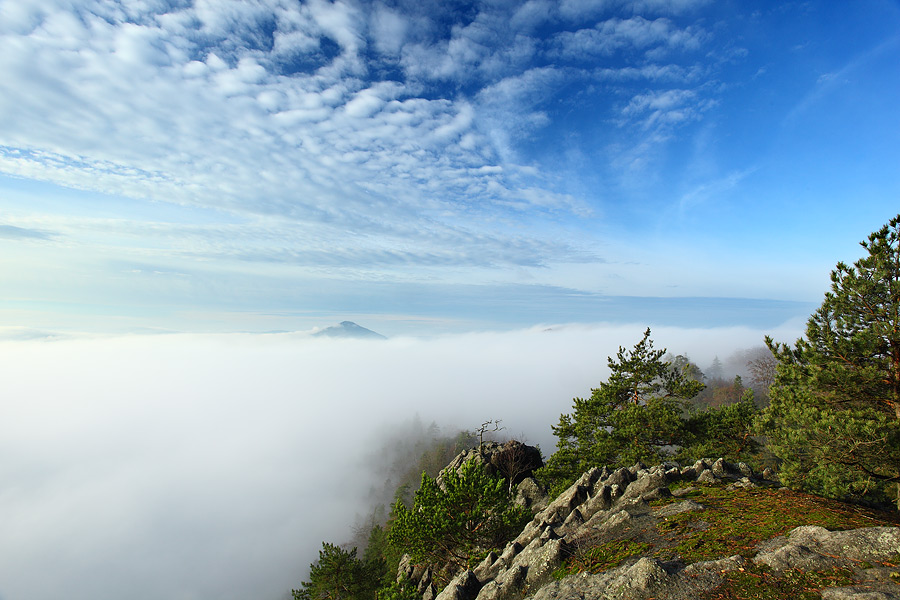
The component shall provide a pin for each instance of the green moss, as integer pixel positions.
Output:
(760, 583)
(735, 521)
(602, 557)
(681, 484)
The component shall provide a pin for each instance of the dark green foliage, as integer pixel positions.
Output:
(340, 575)
(834, 417)
(726, 431)
(635, 415)
(433, 454)
(392, 590)
(451, 526)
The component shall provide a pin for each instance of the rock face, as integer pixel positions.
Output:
(604, 505)
(512, 460)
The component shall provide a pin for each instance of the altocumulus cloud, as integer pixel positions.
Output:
(213, 466)
(401, 121)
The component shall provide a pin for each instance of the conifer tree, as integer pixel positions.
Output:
(339, 575)
(834, 417)
(451, 525)
(635, 415)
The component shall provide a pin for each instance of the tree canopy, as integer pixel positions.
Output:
(834, 417)
(451, 525)
(635, 415)
(339, 575)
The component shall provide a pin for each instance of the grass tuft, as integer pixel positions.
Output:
(760, 583)
(602, 557)
(737, 520)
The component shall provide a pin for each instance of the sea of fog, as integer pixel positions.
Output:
(192, 467)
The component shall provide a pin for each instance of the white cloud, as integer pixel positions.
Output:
(532, 13)
(389, 29)
(342, 21)
(355, 136)
(616, 34)
(583, 9)
(145, 109)
(712, 190)
(658, 101)
(662, 111)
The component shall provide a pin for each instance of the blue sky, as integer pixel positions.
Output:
(437, 166)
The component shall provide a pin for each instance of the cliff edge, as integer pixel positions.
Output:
(709, 530)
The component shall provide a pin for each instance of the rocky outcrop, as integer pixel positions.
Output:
(807, 548)
(511, 460)
(606, 505)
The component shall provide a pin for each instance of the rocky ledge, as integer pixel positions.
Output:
(629, 504)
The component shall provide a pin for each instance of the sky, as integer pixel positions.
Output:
(508, 190)
(425, 167)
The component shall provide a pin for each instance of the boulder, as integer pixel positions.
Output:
(464, 586)
(512, 460)
(530, 494)
(812, 547)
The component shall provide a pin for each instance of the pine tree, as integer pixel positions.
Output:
(451, 525)
(834, 417)
(339, 575)
(725, 431)
(635, 415)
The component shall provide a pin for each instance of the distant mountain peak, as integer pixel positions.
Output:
(349, 329)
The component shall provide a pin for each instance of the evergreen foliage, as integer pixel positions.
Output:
(636, 415)
(723, 431)
(339, 575)
(834, 417)
(452, 526)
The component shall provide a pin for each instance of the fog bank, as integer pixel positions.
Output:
(198, 467)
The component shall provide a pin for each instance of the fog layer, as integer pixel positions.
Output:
(199, 467)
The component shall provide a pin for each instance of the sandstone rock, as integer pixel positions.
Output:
(572, 522)
(515, 460)
(512, 549)
(488, 568)
(558, 510)
(637, 468)
(678, 508)
(531, 495)
(646, 483)
(543, 563)
(702, 465)
(405, 569)
(621, 477)
(512, 459)
(721, 469)
(464, 586)
(601, 500)
(812, 547)
(706, 476)
(510, 584)
(532, 530)
(862, 593)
